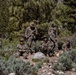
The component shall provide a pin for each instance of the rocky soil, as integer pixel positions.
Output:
(46, 68)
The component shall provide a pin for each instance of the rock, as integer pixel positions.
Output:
(42, 67)
(44, 64)
(24, 74)
(61, 52)
(59, 73)
(55, 61)
(46, 67)
(12, 74)
(44, 71)
(52, 74)
(57, 54)
(49, 64)
(51, 70)
(49, 73)
(43, 74)
(39, 55)
(73, 69)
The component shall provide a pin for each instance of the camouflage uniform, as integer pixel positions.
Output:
(22, 50)
(66, 46)
(56, 45)
(50, 48)
(43, 47)
(53, 28)
(30, 34)
(46, 47)
(52, 34)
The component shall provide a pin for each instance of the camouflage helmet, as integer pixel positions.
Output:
(68, 40)
(21, 40)
(35, 21)
(32, 24)
(52, 24)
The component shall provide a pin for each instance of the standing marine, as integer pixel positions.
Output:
(52, 32)
(30, 35)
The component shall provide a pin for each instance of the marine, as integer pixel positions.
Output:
(52, 32)
(22, 49)
(30, 35)
(46, 47)
(67, 46)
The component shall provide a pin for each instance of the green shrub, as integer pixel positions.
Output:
(74, 65)
(39, 64)
(14, 65)
(72, 55)
(43, 29)
(8, 48)
(66, 61)
(37, 48)
(3, 70)
(73, 41)
(36, 60)
(40, 60)
(34, 70)
(60, 45)
(59, 66)
(65, 33)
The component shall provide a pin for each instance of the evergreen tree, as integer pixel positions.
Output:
(71, 13)
(3, 16)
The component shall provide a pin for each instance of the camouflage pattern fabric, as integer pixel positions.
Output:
(22, 50)
(30, 34)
